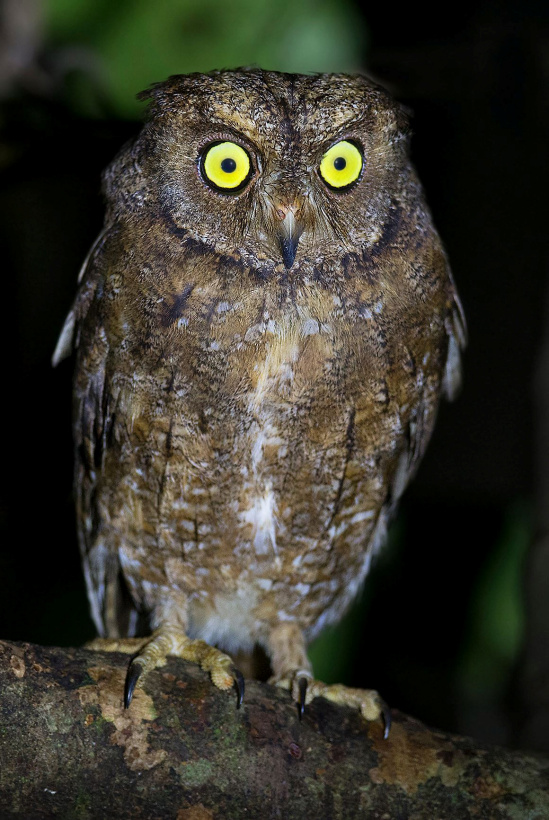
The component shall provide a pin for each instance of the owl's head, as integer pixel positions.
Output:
(277, 169)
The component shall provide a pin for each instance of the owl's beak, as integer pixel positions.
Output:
(290, 232)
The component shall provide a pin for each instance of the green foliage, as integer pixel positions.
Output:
(497, 612)
(127, 45)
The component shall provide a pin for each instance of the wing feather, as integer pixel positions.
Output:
(421, 425)
(95, 405)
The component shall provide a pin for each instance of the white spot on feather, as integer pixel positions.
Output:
(362, 516)
(257, 449)
(261, 515)
(310, 327)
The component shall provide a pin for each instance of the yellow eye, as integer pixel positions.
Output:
(226, 165)
(341, 165)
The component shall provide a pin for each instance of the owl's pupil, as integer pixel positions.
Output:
(228, 165)
(340, 163)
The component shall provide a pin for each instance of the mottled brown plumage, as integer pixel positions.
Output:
(258, 370)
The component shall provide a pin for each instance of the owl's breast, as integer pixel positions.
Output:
(262, 435)
(293, 435)
(280, 416)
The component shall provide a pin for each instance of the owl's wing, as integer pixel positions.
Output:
(111, 607)
(422, 421)
(456, 329)
(87, 274)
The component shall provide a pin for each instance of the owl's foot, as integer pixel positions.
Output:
(154, 651)
(169, 641)
(292, 670)
(127, 645)
(305, 688)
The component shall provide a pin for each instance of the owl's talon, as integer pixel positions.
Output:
(239, 686)
(302, 685)
(132, 676)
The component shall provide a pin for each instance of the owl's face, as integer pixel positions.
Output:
(277, 169)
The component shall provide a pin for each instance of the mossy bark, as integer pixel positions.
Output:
(182, 750)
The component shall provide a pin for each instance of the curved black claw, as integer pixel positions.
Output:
(239, 686)
(386, 714)
(302, 684)
(132, 676)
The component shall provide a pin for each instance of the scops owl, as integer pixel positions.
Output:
(263, 330)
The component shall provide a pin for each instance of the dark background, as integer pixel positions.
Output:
(439, 628)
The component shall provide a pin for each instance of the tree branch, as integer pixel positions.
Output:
(182, 750)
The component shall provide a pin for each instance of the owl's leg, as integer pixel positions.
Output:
(292, 670)
(149, 653)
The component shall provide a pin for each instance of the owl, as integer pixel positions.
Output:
(263, 330)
